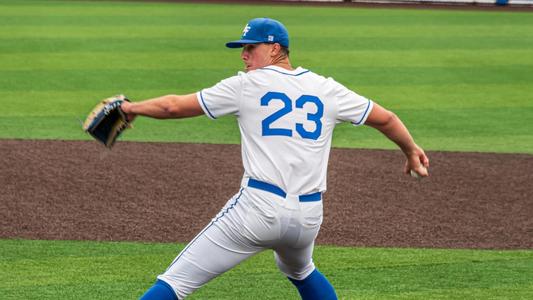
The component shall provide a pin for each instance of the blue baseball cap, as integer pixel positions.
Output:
(262, 30)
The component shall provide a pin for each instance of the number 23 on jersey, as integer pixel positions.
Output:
(304, 100)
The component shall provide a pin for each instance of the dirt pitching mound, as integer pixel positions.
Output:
(169, 192)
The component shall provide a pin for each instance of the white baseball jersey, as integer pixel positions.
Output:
(286, 119)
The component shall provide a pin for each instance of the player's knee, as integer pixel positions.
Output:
(296, 270)
(315, 287)
(160, 291)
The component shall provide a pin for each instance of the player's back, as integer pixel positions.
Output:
(286, 120)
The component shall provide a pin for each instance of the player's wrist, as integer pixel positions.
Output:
(126, 107)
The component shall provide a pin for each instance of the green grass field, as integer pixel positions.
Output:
(110, 270)
(461, 81)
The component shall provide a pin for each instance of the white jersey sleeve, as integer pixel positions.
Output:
(352, 107)
(221, 99)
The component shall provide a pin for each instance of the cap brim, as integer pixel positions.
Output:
(240, 43)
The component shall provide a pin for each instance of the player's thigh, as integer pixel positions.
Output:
(210, 254)
(216, 249)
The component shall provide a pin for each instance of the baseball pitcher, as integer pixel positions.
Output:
(286, 117)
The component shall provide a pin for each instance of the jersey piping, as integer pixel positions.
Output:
(284, 73)
(204, 107)
(365, 114)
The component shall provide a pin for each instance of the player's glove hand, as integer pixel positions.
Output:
(107, 120)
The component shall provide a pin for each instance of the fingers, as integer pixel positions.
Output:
(417, 164)
(422, 171)
(424, 160)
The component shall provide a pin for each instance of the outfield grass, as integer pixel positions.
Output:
(461, 80)
(108, 270)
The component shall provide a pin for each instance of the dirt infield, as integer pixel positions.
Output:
(168, 192)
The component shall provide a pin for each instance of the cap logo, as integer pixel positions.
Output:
(270, 38)
(245, 30)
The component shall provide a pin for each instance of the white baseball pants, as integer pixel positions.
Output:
(251, 221)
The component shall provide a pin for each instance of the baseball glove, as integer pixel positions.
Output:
(107, 120)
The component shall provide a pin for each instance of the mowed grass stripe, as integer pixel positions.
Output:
(300, 46)
(472, 135)
(450, 96)
(123, 61)
(118, 30)
(327, 14)
(189, 59)
(444, 97)
(120, 79)
(116, 79)
(75, 269)
(224, 131)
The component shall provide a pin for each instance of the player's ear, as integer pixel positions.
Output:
(275, 49)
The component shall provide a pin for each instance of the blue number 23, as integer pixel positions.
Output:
(287, 108)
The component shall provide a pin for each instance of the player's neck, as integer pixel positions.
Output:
(283, 63)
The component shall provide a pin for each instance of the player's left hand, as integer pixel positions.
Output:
(126, 108)
(107, 120)
(418, 162)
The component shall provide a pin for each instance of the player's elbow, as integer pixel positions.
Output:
(390, 118)
(172, 107)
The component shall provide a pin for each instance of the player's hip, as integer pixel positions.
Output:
(264, 218)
